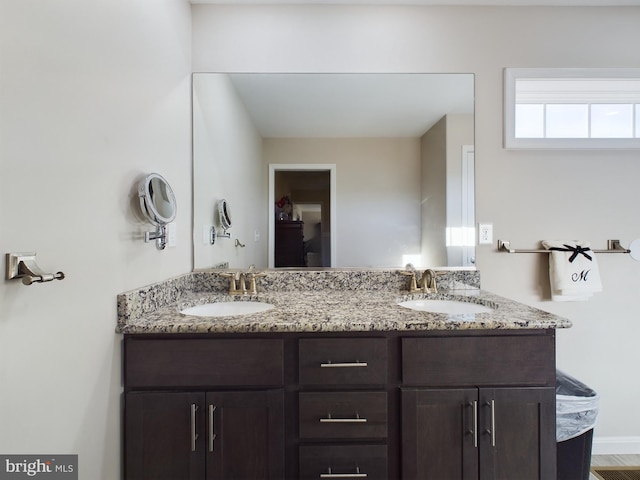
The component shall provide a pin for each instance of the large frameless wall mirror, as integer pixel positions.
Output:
(401, 148)
(572, 108)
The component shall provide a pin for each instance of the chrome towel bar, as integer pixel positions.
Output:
(613, 246)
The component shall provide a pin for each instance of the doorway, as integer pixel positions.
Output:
(302, 215)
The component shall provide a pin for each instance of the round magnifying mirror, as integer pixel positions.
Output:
(225, 214)
(157, 200)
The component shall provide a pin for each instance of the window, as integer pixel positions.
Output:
(572, 108)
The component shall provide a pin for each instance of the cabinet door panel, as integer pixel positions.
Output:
(520, 433)
(162, 442)
(438, 434)
(245, 435)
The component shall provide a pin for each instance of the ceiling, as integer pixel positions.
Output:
(522, 3)
(343, 105)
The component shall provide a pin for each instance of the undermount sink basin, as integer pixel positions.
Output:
(227, 309)
(452, 307)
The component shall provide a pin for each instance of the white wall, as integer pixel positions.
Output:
(528, 196)
(228, 151)
(93, 96)
(377, 194)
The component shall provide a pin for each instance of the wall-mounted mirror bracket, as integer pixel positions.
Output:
(160, 236)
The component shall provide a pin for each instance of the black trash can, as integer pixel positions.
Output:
(576, 414)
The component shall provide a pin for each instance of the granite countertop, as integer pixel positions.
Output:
(322, 310)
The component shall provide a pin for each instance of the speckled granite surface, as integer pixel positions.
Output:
(321, 301)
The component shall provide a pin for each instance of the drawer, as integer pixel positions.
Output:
(343, 461)
(202, 362)
(343, 361)
(477, 361)
(343, 415)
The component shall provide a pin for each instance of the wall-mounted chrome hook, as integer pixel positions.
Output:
(23, 265)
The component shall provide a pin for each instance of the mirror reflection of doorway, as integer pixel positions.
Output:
(301, 217)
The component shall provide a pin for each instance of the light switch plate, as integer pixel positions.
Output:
(172, 232)
(485, 233)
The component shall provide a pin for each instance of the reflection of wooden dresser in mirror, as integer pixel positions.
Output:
(289, 251)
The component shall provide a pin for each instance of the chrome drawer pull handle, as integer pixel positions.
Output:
(330, 419)
(343, 475)
(343, 365)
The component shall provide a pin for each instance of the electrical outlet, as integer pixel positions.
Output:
(485, 233)
(256, 236)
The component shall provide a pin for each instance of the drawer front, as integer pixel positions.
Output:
(477, 361)
(203, 362)
(343, 361)
(343, 461)
(343, 415)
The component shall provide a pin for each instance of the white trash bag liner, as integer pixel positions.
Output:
(576, 407)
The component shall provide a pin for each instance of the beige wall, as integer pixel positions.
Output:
(434, 193)
(528, 196)
(93, 96)
(377, 193)
(228, 153)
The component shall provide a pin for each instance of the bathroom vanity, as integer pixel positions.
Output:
(336, 383)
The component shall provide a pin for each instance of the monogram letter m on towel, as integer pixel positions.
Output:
(573, 270)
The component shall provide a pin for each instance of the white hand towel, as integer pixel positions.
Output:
(573, 270)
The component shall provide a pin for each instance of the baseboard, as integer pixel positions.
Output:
(616, 446)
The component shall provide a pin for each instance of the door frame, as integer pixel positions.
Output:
(314, 167)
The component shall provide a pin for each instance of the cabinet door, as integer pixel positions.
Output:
(517, 428)
(164, 436)
(439, 434)
(245, 435)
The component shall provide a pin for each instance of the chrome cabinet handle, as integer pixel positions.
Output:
(493, 423)
(194, 435)
(330, 419)
(212, 435)
(329, 474)
(492, 430)
(475, 424)
(344, 364)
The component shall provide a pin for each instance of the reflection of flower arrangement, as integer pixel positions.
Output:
(284, 208)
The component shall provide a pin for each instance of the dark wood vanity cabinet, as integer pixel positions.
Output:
(376, 405)
(483, 407)
(485, 433)
(229, 424)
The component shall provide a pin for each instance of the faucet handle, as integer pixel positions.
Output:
(253, 289)
(413, 285)
(233, 288)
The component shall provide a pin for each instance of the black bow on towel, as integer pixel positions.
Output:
(576, 251)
